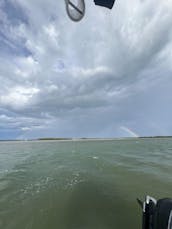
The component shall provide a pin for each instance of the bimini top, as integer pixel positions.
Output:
(105, 3)
(76, 9)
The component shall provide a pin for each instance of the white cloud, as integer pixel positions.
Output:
(26, 67)
(63, 69)
(18, 98)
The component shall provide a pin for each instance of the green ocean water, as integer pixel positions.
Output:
(81, 184)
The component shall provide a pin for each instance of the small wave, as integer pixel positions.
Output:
(37, 187)
(3, 184)
(4, 171)
(74, 181)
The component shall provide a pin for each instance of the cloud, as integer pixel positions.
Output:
(99, 74)
(18, 97)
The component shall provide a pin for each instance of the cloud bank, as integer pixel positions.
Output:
(98, 78)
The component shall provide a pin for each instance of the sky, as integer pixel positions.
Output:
(109, 75)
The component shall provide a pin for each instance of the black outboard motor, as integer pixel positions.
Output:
(156, 214)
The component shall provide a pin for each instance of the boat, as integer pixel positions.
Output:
(157, 214)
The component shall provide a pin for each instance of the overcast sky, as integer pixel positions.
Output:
(109, 75)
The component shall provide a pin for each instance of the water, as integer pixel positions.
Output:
(81, 184)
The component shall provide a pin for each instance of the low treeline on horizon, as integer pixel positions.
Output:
(84, 138)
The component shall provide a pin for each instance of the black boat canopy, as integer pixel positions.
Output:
(105, 3)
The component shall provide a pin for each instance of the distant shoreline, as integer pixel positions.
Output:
(82, 139)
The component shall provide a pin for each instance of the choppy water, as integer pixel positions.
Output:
(81, 185)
